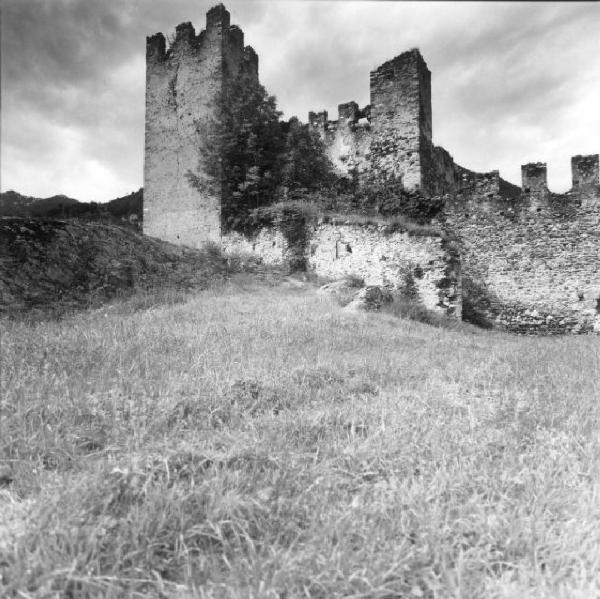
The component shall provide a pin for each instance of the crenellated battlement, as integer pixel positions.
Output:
(217, 34)
(348, 112)
(585, 171)
(585, 175)
(236, 37)
(156, 47)
(251, 59)
(218, 17)
(185, 33)
(318, 120)
(534, 178)
(528, 256)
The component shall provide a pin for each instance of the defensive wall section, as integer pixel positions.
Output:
(531, 263)
(422, 266)
(391, 138)
(524, 259)
(183, 87)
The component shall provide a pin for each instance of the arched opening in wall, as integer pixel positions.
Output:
(598, 305)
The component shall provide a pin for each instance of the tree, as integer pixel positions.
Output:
(248, 155)
(306, 164)
(241, 151)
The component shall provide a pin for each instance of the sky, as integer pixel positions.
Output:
(512, 82)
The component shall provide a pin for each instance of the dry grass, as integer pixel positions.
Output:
(255, 441)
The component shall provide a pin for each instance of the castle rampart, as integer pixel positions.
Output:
(424, 266)
(530, 262)
(529, 257)
(392, 136)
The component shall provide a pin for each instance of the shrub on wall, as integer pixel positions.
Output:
(241, 151)
(389, 198)
(252, 159)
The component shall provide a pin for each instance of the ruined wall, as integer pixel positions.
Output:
(268, 244)
(530, 260)
(183, 86)
(470, 182)
(444, 175)
(392, 137)
(427, 266)
(347, 141)
(531, 264)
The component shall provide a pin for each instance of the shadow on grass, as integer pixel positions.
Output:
(409, 308)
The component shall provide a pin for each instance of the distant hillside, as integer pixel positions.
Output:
(13, 203)
(126, 208)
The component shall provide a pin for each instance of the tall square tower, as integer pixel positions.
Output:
(401, 121)
(184, 86)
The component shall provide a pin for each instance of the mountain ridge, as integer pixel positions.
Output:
(128, 207)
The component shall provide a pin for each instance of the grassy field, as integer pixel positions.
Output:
(254, 440)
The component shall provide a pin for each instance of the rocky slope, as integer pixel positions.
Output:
(58, 265)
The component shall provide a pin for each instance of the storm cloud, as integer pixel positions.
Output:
(511, 82)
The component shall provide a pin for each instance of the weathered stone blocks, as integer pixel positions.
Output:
(530, 265)
(426, 267)
(585, 171)
(183, 88)
(534, 178)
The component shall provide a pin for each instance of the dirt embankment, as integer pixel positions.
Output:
(57, 266)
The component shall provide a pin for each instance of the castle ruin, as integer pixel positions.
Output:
(528, 259)
(183, 85)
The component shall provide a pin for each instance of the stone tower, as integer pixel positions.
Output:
(401, 145)
(183, 87)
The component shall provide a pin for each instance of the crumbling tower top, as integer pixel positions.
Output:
(401, 119)
(185, 85)
(218, 15)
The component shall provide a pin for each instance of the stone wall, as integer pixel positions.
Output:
(530, 264)
(347, 141)
(444, 175)
(424, 266)
(269, 244)
(392, 136)
(183, 87)
(530, 259)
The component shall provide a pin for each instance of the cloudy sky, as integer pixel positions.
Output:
(511, 82)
